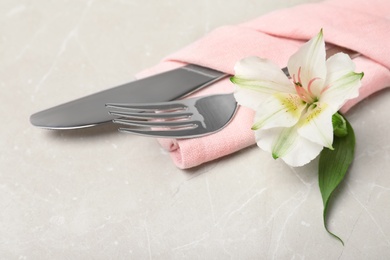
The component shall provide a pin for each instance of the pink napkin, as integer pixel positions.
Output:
(359, 25)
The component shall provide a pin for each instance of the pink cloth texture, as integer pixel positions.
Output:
(359, 25)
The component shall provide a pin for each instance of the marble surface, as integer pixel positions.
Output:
(98, 194)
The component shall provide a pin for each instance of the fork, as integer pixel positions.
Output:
(187, 118)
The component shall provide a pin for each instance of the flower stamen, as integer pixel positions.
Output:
(325, 89)
(302, 92)
(309, 86)
(299, 74)
(305, 94)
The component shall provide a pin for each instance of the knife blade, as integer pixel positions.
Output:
(90, 110)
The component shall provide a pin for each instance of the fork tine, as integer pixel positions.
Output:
(148, 106)
(168, 115)
(187, 118)
(171, 124)
(177, 134)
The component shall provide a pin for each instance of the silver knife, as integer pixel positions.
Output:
(91, 111)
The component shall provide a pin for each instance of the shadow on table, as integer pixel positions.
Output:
(105, 130)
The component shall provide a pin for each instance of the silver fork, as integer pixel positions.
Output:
(187, 118)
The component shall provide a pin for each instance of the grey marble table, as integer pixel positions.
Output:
(98, 194)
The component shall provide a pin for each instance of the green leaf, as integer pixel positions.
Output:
(333, 166)
(339, 125)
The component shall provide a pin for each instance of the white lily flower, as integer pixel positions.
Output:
(294, 115)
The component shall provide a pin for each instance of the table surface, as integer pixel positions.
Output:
(98, 194)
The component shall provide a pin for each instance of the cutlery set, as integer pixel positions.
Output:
(91, 111)
(149, 106)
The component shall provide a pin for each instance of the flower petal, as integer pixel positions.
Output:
(308, 65)
(249, 98)
(342, 83)
(287, 144)
(316, 125)
(280, 110)
(261, 75)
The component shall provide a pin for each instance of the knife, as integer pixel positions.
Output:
(90, 110)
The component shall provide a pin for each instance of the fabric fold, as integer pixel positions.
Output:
(276, 36)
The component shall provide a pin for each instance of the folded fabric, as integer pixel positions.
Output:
(359, 25)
